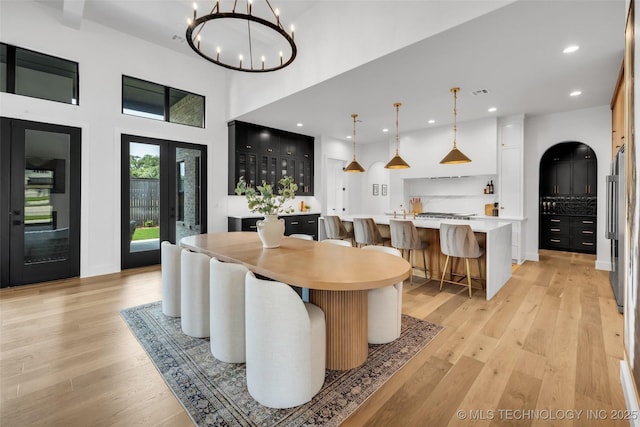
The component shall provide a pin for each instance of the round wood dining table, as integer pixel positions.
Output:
(337, 277)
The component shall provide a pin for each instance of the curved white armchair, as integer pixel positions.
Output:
(286, 344)
(227, 311)
(336, 242)
(384, 307)
(194, 295)
(170, 265)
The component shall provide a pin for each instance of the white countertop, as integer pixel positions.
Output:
(282, 214)
(480, 226)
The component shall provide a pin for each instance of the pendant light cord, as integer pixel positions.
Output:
(397, 105)
(455, 115)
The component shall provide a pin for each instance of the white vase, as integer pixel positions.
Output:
(270, 230)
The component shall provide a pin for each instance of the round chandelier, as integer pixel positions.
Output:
(246, 37)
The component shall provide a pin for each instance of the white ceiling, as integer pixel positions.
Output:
(515, 53)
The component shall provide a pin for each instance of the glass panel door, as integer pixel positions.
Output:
(44, 196)
(163, 196)
(144, 197)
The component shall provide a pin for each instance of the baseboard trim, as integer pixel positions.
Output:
(532, 256)
(603, 265)
(633, 405)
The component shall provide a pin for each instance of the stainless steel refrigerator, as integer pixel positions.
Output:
(616, 224)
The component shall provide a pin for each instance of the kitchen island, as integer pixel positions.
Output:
(493, 236)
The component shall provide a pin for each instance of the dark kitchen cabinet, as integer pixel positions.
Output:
(569, 169)
(585, 180)
(264, 154)
(293, 224)
(568, 198)
(555, 171)
(568, 233)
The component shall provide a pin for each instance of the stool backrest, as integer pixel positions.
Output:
(333, 227)
(458, 240)
(404, 234)
(365, 231)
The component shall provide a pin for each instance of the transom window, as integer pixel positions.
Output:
(154, 101)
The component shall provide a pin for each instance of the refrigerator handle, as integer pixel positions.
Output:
(611, 207)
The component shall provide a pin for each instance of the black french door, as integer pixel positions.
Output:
(163, 196)
(40, 199)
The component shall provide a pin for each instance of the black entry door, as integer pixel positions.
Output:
(40, 194)
(163, 196)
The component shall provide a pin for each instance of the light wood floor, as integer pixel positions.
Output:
(550, 340)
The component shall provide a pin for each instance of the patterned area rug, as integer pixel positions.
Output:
(215, 393)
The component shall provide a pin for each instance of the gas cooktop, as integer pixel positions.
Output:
(444, 215)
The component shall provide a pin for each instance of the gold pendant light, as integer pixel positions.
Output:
(396, 162)
(354, 166)
(455, 156)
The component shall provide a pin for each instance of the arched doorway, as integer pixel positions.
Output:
(568, 198)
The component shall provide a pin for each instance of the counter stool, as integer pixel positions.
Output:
(335, 229)
(458, 241)
(365, 231)
(404, 236)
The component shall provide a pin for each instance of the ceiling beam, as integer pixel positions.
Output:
(72, 11)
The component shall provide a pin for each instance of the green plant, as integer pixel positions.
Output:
(263, 200)
(148, 223)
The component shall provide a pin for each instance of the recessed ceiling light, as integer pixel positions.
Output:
(385, 130)
(492, 109)
(431, 121)
(576, 93)
(348, 136)
(299, 125)
(571, 49)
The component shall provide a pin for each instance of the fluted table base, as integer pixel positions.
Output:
(346, 323)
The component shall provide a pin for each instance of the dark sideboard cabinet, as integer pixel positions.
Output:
(293, 224)
(264, 154)
(568, 198)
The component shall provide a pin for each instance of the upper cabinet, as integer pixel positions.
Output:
(263, 154)
(569, 169)
(617, 115)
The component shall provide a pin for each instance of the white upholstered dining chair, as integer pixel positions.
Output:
(226, 311)
(170, 267)
(285, 342)
(384, 307)
(194, 294)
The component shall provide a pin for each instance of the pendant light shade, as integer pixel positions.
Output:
(396, 162)
(354, 166)
(455, 156)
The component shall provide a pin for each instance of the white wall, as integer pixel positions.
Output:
(382, 28)
(590, 126)
(104, 56)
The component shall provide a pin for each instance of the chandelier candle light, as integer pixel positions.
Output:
(228, 29)
(455, 156)
(396, 162)
(354, 166)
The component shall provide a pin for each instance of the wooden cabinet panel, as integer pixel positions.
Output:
(618, 129)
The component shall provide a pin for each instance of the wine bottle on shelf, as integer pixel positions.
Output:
(491, 187)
